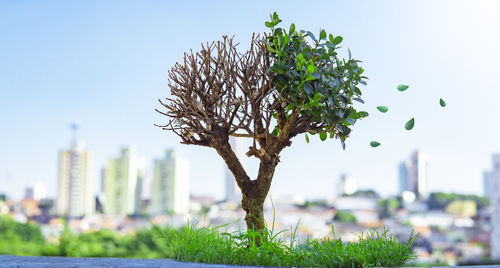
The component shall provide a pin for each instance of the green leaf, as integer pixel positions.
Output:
(410, 124)
(350, 121)
(276, 131)
(312, 36)
(276, 18)
(374, 144)
(307, 138)
(269, 24)
(308, 88)
(442, 103)
(362, 114)
(317, 97)
(310, 68)
(270, 49)
(337, 40)
(292, 29)
(322, 136)
(322, 35)
(403, 87)
(359, 100)
(382, 109)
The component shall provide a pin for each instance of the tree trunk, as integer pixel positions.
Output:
(254, 192)
(253, 198)
(254, 208)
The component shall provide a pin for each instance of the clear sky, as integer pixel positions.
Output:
(104, 64)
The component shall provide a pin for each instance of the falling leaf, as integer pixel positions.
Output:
(382, 109)
(442, 103)
(374, 144)
(410, 124)
(403, 87)
(307, 138)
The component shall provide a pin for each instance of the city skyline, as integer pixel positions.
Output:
(147, 169)
(106, 73)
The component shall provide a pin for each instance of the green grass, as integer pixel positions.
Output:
(208, 245)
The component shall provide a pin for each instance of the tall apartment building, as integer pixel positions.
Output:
(492, 191)
(170, 189)
(123, 183)
(233, 192)
(413, 175)
(75, 196)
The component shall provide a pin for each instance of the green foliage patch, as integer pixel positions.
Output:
(20, 238)
(345, 216)
(441, 200)
(312, 79)
(27, 239)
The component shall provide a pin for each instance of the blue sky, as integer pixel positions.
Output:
(104, 64)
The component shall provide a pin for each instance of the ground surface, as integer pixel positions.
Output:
(67, 262)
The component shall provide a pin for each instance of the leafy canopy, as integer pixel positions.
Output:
(311, 78)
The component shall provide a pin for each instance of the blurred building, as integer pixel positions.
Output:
(462, 208)
(493, 183)
(490, 176)
(413, 175)
(347, 185)
(28, 192)
(123, 183)
(170, 191)
(36, 192)
(75, 196)
(29, 207)
(233, 192)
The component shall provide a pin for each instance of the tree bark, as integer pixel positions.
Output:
(254, 208)
(253, 197)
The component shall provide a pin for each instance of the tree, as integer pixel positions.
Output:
(441, 200)
(282, 86)
(345, 216)
(388, 207)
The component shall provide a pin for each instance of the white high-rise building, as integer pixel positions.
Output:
(347, 185)
(75, 194)
(36, 192)
(39, 191)
(492, 191)
(123, 183)
(233, 192)
(413, 175)
(170, 191)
